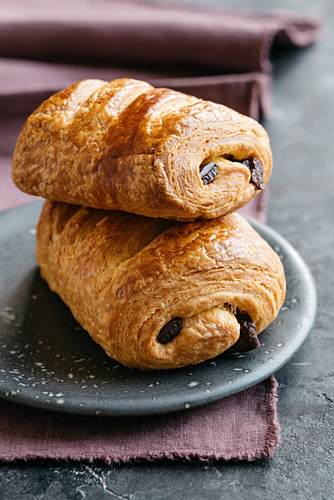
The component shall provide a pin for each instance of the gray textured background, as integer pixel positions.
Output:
(301, 208)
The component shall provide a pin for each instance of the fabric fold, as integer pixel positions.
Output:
(131, 32)
(240, 427)
(248, 93)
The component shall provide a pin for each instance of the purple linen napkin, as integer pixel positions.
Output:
(45, 46)
(240, 427)
(114, 32)
(248, 93)
(187, 48)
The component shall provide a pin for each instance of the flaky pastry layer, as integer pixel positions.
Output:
(125, 277)
(124, 145)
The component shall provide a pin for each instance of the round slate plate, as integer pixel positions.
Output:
(48, 361)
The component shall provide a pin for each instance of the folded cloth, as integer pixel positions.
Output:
(187, 48)
(240, 427)
(132, 32)
(45, 46)
(27, 83)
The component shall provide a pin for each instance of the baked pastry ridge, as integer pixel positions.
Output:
(124, 145)
(125, 277)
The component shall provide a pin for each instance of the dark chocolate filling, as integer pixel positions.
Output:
(208, 172)
(256, 169)
(248, 339)
(169, 331)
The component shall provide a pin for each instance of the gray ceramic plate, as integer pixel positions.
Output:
(47, 361)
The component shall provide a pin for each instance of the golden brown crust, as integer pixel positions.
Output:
(125, 276)
(125, 145)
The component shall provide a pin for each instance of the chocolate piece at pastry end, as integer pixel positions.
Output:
(248, 339)
(170, 331)
(256, 169)
(209, 172)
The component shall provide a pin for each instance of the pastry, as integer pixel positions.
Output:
(125, 145)
(156, 293)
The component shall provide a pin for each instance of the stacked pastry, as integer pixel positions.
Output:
(138, 235)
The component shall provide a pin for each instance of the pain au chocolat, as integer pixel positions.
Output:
(159, 294)
(124, 145)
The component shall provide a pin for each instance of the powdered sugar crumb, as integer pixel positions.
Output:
(193, 384)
